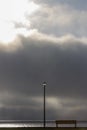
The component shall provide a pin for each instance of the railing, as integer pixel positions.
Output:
(25, 123)
(37, 123)
(81, 123)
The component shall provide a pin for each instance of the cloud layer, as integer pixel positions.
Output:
(60, 61)
(54, 50)
(61, 17)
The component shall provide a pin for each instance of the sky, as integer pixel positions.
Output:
(43, 40)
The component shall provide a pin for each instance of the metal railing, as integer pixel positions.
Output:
(37, 123)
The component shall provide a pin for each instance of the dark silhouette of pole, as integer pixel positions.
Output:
(44, 121)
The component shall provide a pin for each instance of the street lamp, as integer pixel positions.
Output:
(44, 121)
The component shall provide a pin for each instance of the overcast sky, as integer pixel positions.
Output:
(43, 40)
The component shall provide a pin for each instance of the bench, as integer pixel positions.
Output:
(65, 122)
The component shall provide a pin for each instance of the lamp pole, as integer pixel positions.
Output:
(44, 105)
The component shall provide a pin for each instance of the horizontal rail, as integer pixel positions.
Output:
(39, 123)
(36, 121)
(81, 121)
(25, 121)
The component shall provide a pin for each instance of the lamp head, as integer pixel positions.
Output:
(44, 83)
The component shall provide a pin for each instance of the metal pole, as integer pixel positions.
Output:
(44, 106)
(44, 123)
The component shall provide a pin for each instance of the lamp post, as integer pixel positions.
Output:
(44, 105)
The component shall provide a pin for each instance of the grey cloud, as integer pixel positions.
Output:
(60, 20)
(22, 72)
(76, 4)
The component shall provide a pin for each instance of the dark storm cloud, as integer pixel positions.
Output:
(63, 65)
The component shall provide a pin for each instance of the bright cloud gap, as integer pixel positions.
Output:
(15, 12)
